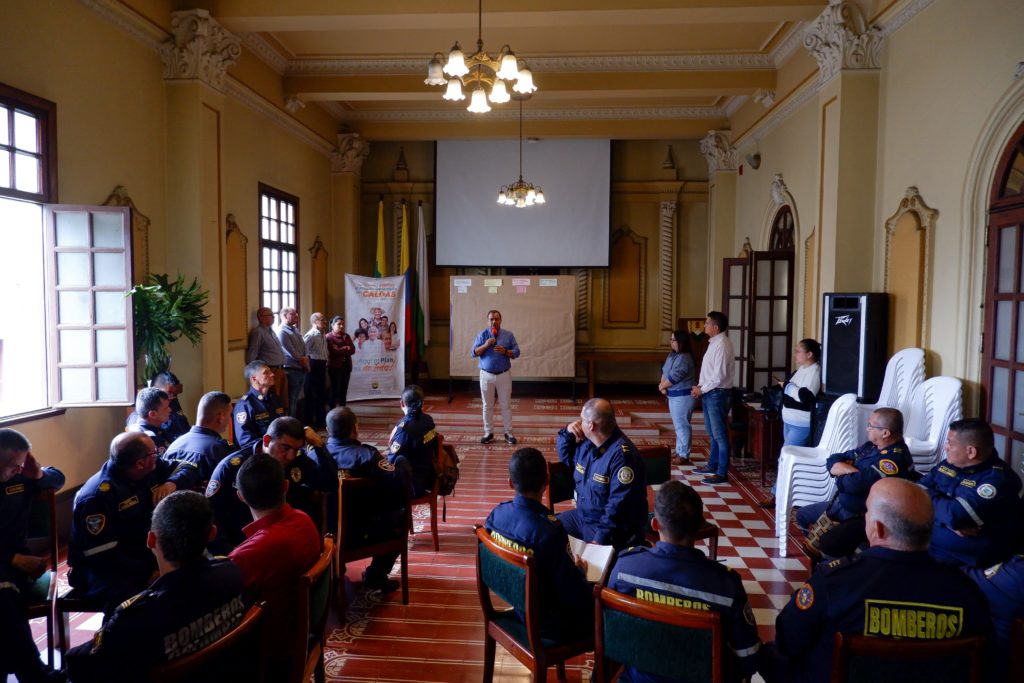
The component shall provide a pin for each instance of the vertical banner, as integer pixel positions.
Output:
(375, 312)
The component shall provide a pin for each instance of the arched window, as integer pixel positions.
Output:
(782, 231)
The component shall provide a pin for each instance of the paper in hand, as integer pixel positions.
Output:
(597, 556)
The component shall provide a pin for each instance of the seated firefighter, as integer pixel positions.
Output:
(414, 438)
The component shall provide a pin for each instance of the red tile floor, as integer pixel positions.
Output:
(438, 636)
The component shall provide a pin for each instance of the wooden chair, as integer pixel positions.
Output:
(655, 638)
(864, 658)
(430, 499)
(1016, 665)
(561, 485)
(513, 578)
(313, 601)
(65, 605)
(354, 494)
(657, 464)
(42, 541)
(243, 641)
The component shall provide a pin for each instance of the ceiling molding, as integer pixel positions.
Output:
(785, 49)
(580, 64)
(896, 18)
(282, 119)
(780, 113)
(149, 34)
(734, 105)
(604, 114)
(333, 109)
(266, 52)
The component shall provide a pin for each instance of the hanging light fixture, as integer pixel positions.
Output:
(521, 194)
(480, 73)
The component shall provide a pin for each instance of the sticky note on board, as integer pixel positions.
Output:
(492, 290)
(520, 282)
(492, 282)
(521, 290)
(462, 282)
(548, 282)
(462, 290)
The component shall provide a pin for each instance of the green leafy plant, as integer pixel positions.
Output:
(164, 312)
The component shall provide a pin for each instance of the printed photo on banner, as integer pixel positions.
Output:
(378, 366)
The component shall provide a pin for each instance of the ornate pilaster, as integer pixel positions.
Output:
(351, 152)
(840, 38)
(666, 256)
(718, 151)
(582, 298)
(199, 49)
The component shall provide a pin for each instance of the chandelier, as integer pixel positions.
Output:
(521, 194)
(486, 78)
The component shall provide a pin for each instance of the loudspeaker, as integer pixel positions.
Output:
(855, 332)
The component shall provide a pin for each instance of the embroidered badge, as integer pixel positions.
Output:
(748, 614)
(991, 571)
(987, 491)
(94, 524)
(805, 597)
(235, 461)
(212, 488)
(385, 465)
(888, 467)
(552, 518)
(127, 503)
(969, 483)
(296, 475)
(625, 475)
(600, 478)
(240, 418)
(430, 436)
(104, 487)
(948, 471)
(16, 488)
(279, 411)
(580, 469)
(395, 447)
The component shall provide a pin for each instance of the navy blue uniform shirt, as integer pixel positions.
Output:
(176, 425)
(611, 486)
(879, 592)
(683, 577)
(308, 471)
(157, 434)
(984, 501)
(200, 448)
(16, 496)
(872, 464)
(1003, 586)
(415, 437)
(566, 598)
(362, 460)
(253, 414)
(182, 612)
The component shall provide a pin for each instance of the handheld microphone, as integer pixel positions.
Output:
(494, 332)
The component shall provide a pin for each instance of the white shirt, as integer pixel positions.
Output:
(716, 368)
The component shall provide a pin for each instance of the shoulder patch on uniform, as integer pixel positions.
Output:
(552, 518)
(14, 488)
(129, 601)
(888, 467)
(94, 524)
(104, 486)
(748, 614)
(625, 475)
(897, 449)
(395, 447)
(430, 436)
(241, 417)
(212, 488)
(235, 461)
(127, 503)
(987, 491)
(805, 597)
(385, 465)
(993, 570)
(295, 475)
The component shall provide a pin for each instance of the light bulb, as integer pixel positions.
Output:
(499, 93)
(540, 196)
(435, 73)
(454, 91)
(525, 83)
(456, 65)
(478, 103)
(509, 70)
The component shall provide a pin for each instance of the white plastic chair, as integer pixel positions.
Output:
(803, 478)
(903, 374)
(935, 403)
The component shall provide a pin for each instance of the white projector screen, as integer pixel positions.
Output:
(571, 229)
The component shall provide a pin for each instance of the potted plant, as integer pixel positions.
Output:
(164, 312)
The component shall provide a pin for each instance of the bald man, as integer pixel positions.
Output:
(894, 589)
(611, 483)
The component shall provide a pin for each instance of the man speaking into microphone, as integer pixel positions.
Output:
(496, 348)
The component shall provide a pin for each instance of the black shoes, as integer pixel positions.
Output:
(380, 583)
(510, 439)
(704, 470)
(488, 438)
(715, 479)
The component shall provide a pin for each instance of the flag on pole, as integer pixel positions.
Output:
(422, 312)
(404, 253)
(404, 260)
(380, 268)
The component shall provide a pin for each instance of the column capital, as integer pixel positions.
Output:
(718, 151)
(352, 150)
(840, 38)
(199, 49)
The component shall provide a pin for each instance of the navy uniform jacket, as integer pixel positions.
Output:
(307, 472)
(157, 434)
(176, 425)
(566, 598)
(362, 460)
(107, 550)
(683, 577)
(984, 498)
(200, 448)
(253, 414)
(872, 464)
(415, 437)
(16, 496)
(183, 611)
(1003, 585)
(611, 485)
(879, 592)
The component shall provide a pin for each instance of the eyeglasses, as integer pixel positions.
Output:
(871, 426)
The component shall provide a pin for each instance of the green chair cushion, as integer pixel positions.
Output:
(506, 580)
(41, 587)
(681, 654)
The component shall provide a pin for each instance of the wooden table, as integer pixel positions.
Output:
(592, 358)
(764, 436)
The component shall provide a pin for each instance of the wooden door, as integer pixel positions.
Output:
(770, 337)
(735, 305)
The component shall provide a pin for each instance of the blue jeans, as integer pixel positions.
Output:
(793, 435)
(716, 413)
(681, 408)
(296, 380)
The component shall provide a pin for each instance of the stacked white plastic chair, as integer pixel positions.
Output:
(803, 478)
(903, 374)
(935, 403)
